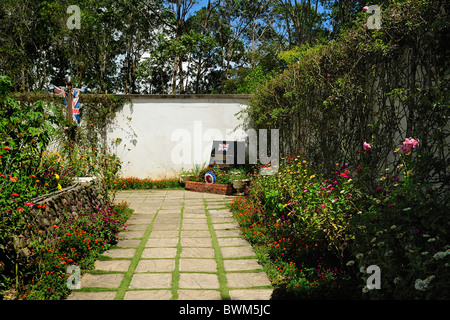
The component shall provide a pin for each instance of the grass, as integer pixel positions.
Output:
(134, 262)
(176, 271)
(224, 290)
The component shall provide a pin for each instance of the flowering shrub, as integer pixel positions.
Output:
(403, 231)
(76, 242)
(302, 224)
(147, 183)
(28, 170)
(318, 235)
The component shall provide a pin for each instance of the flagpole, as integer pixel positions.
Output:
(69, 100)
(69, 114)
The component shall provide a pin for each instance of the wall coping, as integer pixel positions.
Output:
(185, 96)
(37, 96)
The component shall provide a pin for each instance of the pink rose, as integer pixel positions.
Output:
(366, 146)
(408, 145)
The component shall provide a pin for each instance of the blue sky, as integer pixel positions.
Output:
(204, 3)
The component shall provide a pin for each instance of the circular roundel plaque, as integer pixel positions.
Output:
(210, 177)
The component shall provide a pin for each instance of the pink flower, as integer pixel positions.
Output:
(15, 194)
(365, 8)
(366, 146)
(28, 204)
(408, 145)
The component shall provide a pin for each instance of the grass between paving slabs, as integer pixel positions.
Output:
(176, 270)
(224, 290)
(134, 262)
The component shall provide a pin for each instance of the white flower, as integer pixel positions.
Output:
(397, 280)
(439, 255)
(422, 285)
(359, 256)
(432, 240)
(406, 209)
(393, 227)
(424, 253)
(365, 289)
(363, 270)
(350, 263)
(388, 253)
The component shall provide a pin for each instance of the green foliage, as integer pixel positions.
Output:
(76, 243)
(358, 88)
(317, 234)
(146, 183)
(403, 230)
(255, 79)
(28, 169)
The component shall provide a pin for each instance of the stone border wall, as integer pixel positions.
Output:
(44, 216)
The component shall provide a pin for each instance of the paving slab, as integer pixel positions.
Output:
(247, 279)
(109, 280)
(151, 281)
(197, 253)
(188, 249)
(198, 281)
(102, 295)
(159, 253)
(230, 242)
(156, 265)
(240, 265)
(148, 295)
(235, 252)
(112, 265)
(120, 253)
(184, 294)
(198, 265)
(162, 242)
(251, 294)
(125, 243)
(196, 242)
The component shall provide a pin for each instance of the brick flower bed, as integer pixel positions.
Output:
(209, 187)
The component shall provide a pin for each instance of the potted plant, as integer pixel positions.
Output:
(188, 175)
(238, 178)
(185, 175)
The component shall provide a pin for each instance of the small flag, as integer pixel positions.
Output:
(223, 147)
(76, 106)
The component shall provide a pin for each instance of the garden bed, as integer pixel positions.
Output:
(225, 189)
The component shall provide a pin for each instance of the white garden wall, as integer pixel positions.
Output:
(172, 132)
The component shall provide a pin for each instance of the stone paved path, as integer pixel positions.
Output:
(179, 245)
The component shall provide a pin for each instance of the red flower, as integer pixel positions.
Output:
(6, 148)
(15, 194)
